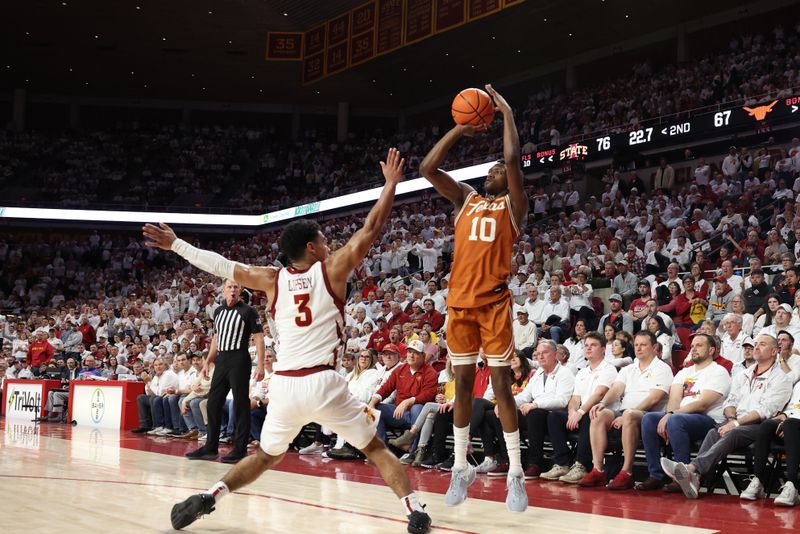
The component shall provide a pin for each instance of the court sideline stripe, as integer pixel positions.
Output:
(248, 494)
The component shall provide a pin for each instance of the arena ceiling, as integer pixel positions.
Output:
(214, 49)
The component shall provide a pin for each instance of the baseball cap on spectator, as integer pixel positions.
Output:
(622, 262)
(418, 304)
(522, 271)
(391, 347)
(380, 319)
(785, 307)
(416, 346)
(748, 341)
(631, 247)
(522, 310)
(644, 282)
(615, 296)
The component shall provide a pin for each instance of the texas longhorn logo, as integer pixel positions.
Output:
(760, 112)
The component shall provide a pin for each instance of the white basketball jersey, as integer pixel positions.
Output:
(309, 319)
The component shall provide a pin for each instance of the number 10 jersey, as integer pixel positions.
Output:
(484, 237)
(309, 318)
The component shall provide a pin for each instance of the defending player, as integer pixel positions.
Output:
(479, 302)
(307, 304)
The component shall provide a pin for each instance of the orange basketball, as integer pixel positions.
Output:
(473, 107)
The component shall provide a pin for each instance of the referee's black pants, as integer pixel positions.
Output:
(231, 372)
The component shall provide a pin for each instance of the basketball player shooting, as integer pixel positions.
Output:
(479, 302)
(307, 305)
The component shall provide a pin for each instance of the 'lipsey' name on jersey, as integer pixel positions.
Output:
(298, 284)
(483, 205)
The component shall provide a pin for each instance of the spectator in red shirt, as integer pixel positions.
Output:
(414, 382)
(88, 332)
(369, 285)
(638, 308)
(432, 315)
(399, 317)
(39, 352)
(380, 337)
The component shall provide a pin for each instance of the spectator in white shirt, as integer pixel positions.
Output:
(641, 387)
(428, 255)
(784, 428)
(525, 337)
(534, 305)
(702, 172)
(549, 389)
(591, 385)
(556, 314)
(153, 407)
(755, 395)
(162, 311)
(731, 164)
(580, 297)
(694, 407)
(732, 339)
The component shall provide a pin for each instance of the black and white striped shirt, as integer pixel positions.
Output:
(233, 326)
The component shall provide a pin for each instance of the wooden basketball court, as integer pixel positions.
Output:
(57, 478)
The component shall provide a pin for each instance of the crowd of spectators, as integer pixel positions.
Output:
(253, 170)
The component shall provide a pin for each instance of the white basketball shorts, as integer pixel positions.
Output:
(323, 398)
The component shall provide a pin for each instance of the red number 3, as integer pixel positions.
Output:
(303, 311)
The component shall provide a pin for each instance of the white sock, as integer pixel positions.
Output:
(339, 442)
(411, 503)
(218, 490)
(460, 439)
(512, 445)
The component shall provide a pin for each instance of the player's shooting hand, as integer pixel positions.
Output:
(160, 236)
(500, 103)
(393, 166)
(471, 131)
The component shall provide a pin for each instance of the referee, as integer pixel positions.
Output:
(234, 323)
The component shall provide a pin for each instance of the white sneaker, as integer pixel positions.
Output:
(460, 480)
(517, 497)
(788, 496)
(314, 448)
(668, 466)
(164, 431)
(689, 481)
(555, 473)
(754, 490)
(486, 465)
(202, 437)
(156, 431)
(575, 475)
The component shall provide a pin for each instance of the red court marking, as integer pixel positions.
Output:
(248, 494)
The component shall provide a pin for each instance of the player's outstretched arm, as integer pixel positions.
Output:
(344, 260)
(445, 185)
(511, 152)
(163, 237)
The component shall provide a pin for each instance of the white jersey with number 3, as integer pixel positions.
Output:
(309, 319)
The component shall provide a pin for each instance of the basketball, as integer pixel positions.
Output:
(472, 107)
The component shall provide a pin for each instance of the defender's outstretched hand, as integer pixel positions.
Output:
(500, 103)
(393, 167)
(161, 236)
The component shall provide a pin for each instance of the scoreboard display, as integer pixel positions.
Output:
(722, 122)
